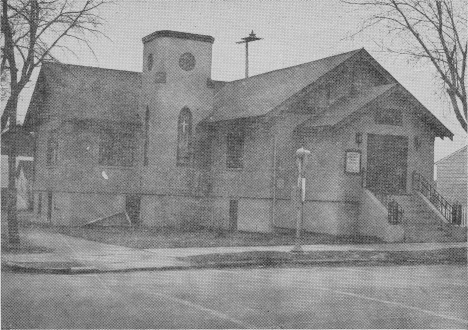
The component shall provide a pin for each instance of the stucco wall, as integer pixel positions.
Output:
(373, 220)
(182, 212)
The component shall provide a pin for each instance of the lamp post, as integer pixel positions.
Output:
(301, 159)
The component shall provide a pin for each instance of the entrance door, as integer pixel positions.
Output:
(387, 163)
(49, 206)
(132, 206)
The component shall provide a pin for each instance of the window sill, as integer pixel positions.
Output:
(117, 167)
(238, 169)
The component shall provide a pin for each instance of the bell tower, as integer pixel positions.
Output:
(177, 93)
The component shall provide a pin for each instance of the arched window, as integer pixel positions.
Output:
(184, 137)
(146, 146)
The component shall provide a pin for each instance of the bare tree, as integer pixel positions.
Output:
(32, 30)
(426, 30)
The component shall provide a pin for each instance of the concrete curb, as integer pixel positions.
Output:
(49, 270)
(89, 269)
(208, 265)
(181, 264)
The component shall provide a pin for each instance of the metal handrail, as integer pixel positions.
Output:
(451, 213)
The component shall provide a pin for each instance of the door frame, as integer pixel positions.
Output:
(369, 185)
(50, 206)
(233, 214)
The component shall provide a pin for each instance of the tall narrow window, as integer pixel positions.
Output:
(235, 149)
(52, 149)
(184, 137)
(146, 146)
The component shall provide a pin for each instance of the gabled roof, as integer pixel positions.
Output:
(457, 152)
(346, 106)
(85, 92)
(257, 95)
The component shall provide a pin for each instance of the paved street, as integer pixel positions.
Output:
(433, 296)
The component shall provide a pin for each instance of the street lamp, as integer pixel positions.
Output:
(301, 159)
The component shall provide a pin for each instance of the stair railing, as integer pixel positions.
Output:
(454, 214)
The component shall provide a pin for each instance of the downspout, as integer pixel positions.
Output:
(273, 207)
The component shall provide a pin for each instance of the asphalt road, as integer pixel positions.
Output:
(321, 297)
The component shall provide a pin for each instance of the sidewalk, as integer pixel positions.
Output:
(76, 255)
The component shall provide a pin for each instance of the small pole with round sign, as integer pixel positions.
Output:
(301, 158)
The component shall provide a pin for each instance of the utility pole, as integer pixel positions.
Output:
(246, 40)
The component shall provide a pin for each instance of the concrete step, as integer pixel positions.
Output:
(433, 233)
(421, 224)
(415, 235)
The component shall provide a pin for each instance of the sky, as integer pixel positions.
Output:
(293, 32)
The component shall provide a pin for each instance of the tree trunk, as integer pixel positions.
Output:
(458, 113)
(13, 233)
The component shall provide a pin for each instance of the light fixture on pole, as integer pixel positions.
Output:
(246, 40)
(301, 158)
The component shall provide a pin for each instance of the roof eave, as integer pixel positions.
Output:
(29, 123)
(439, 128)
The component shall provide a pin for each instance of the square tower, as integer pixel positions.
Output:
(177, 94)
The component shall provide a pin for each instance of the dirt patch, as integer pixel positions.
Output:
(269, 258)
(155, 238)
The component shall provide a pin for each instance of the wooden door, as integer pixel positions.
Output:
(132, 206)
(233, 206)
(387, 158)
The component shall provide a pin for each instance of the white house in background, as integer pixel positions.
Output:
(24, 167)
(452, 176)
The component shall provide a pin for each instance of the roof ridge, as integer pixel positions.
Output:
(297, 65)
(86, 66)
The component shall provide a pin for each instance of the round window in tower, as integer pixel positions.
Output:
(150, 62)
(187, 61)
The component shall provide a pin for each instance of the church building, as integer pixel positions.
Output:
(172, 147)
